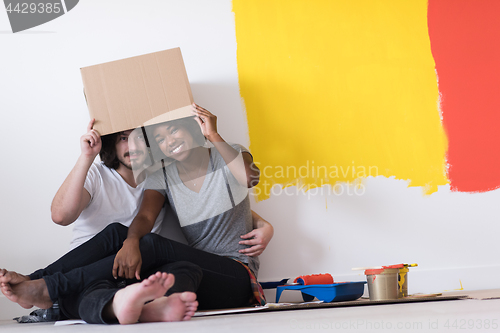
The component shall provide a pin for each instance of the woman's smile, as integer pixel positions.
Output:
(176, 149)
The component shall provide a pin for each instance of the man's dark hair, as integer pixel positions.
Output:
(108, 151)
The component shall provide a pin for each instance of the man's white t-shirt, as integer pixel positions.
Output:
(111, 200)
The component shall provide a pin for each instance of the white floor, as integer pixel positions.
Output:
(470, 315)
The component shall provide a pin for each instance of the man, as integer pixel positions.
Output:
(95, 194)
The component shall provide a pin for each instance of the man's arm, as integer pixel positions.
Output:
(72, 198)
(259, 237)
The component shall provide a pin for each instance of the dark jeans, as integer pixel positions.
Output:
(89, 305)
(225, 282)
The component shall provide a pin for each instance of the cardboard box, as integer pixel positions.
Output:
(137, 91)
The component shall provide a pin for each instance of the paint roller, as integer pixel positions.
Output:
(314, 279)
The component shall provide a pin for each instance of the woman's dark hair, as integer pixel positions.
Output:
(193, 128)
(108, 151)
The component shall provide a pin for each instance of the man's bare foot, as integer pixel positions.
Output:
(128, 302)
(28, 293)
(176, 307)
(12, 277)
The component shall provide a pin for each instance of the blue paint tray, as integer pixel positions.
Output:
(336, 292)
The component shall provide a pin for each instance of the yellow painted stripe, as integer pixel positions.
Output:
(340, 90)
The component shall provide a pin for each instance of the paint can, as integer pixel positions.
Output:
(382, 283)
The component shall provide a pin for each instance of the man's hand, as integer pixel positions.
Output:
(257, 239)
(128, 261)
(90, 142)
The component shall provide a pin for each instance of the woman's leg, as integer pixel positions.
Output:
(225, 282)
(62, 284)
(187, 276)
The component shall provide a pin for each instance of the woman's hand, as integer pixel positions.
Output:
(258, 239)
(207, 122)
(243, 169)
(128, 261)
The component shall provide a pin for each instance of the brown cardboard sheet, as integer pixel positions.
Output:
(138, 91)
(317, 305)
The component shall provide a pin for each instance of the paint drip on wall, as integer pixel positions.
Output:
(337, 91)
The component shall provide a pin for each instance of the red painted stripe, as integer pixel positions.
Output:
(465, 43)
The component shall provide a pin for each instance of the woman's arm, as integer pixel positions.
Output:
(258, 238)
(128, 260)
(243, 169)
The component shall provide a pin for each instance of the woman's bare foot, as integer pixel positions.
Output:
(28, 293)
(176, 307)
(128, 302)
(12, 277)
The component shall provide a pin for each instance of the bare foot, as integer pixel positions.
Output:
(28, 293)
(176, 307)
(12, 277)
(128, 302)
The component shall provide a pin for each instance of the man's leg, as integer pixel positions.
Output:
(95, 253)
(47, 290)
(102, 245)
(104, 302)
(107, 242)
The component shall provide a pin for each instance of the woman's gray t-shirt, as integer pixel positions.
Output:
(213, 219)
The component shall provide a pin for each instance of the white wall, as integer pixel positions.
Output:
(451, 235)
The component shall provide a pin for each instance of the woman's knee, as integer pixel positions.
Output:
(151, 239)
(184, 268)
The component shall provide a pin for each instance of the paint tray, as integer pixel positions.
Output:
(273, 284)
(336, 292)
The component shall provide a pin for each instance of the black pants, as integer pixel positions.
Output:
(225, 282)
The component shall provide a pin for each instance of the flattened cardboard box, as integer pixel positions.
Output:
(138, 91)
